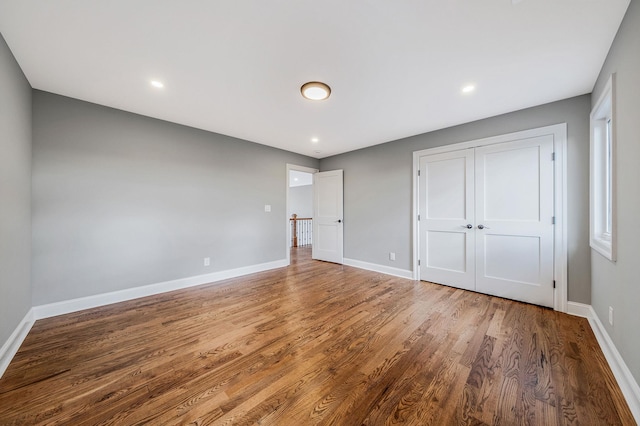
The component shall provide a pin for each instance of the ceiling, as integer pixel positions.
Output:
(396, 68)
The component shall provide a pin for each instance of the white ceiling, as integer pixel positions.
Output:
(235, 67)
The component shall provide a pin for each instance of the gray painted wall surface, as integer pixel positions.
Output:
(121, 200)
(618, 284)
(301, 201)
(15, 194)
(378, 187)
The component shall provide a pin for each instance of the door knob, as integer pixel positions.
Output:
(483, 227)
(339, 220)
(468, 226)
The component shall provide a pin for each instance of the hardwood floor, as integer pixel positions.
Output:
(314, 343)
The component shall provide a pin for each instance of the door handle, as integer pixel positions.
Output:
(483, 227)
(468, 226)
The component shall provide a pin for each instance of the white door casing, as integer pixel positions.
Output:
(287, 242)
(447, 218)
(328, 216)
(544, 278)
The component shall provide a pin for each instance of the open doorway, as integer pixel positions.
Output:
(299, 208)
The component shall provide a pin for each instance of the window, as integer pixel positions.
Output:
(602, 192)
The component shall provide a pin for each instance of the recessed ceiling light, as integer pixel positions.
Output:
(317, 152)
(315, 140)
(469, 88)
(315, 91)
(157, 84)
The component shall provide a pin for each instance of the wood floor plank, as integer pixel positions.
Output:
(313, 343)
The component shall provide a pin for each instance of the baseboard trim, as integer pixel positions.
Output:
(388, 270)
(74, 305)
(11, 346)
(579, 310)
(625, 379)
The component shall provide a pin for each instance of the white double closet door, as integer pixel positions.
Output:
(486, 219)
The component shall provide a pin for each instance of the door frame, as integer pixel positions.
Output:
(560, 255)
(286, 211)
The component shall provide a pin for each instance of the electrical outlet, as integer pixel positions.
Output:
(392, 256)
(267, 208)
(207, 261)
(611, 315)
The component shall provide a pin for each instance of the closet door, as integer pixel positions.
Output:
(514, 220)
(446, 209)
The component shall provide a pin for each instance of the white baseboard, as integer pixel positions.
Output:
(626, 381)
(579, 309)
(74, 305)
(388, 270)
(11, 346)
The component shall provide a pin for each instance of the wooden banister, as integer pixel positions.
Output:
(294, 230)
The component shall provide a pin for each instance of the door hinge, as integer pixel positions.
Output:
(418, 262)
(418, 172)
(418, 218)
(554, 283)
(553, 220)
(553, 156)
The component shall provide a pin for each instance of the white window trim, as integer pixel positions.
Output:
(604, 111)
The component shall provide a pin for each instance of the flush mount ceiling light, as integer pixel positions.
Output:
(315, 91)
(315, 140)
(157, 84)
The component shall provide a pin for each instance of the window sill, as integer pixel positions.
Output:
(604, 247)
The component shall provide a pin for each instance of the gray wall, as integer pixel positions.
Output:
(301, 200)
(378, 187)
(121, 200)
(15, 194)
(618, 284)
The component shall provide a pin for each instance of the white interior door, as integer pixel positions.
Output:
(447, 219)
(514, 215)
(327, 218)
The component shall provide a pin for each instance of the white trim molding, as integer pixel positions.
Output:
(374, 267)
(74, 305)
(621, 372)
(602, 174)
(579, 309)
(11, 346)
(559, 133)
(287, 224)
